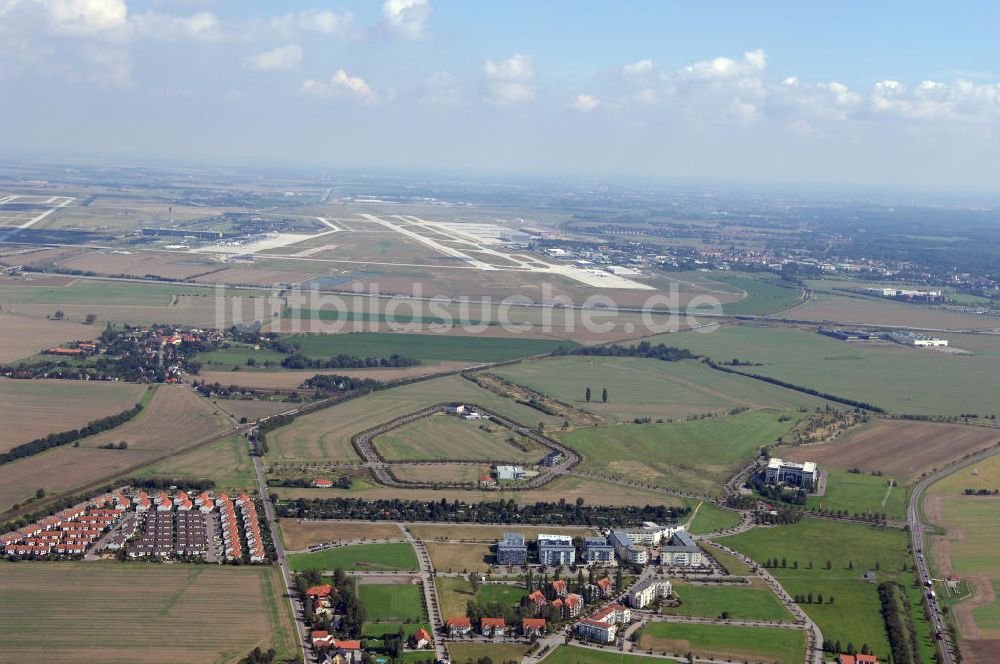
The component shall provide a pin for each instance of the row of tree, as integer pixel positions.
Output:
(641, 349)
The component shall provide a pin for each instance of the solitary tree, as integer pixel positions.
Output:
(586, 395)
(604, 395)
(90, 319)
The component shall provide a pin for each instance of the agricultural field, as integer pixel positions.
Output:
(464, 653)
(752, 602)
(443, 437)
(175, 419)
(440, 472)
(426, 347)
(298, 535)
(327, 433)
(486, 533)
(32, 409)
(861, 493)
(576, 655)
(851, 549)
(640, 387)
(692, 456)
(454, 593)
(901, 448)
(593, 492)
(961, 383)
(711, 519)
(293, 379)
(761, 296)
(226, 462)
(770, 644)
(392, 602)
(202, 613)
(252, 409)
(22, 336)
(872, 311)
(236, 357)
(360, 557)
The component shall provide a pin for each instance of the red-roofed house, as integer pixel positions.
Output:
(421, 639)
(319, 591)
(597, 630)
(487, 481)
(459, 626)
(858, 659)
(574, 605)
(533, 627)
(323, 484)
(321, 638)
(559, 588)
(606, 586)
(492, 627)
(537, 599)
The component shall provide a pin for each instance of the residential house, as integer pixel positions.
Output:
(556, 549)
(459, 626)
(533, 627)
(858, 659)
(512, 550)
(559, 588)
(493, 627)
(573, 605)
(323, 484)
(537, 600)
(606, 587)
(681, 551)
(421, 639)
(647, 592)
(597, 550)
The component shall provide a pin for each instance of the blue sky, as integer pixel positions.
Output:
(900, 93)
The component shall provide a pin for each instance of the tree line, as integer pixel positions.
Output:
(39, 445)
(299, 361)
(642, 349)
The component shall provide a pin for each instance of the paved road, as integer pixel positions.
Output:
(430, 590)
(298, 611)
(917, 534)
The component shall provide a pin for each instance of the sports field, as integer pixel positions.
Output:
(692, 456)
(175, 418)
(361, 557)
(429, 347)
(327, 433)
(299, 535)
(123, 613)
(901, 448)
(442, 437)
(32, 409)
(862, 494)
(851, 549)
(755, 601)
(640, 387)
(768, 644)
(960, 383)
(396, 602)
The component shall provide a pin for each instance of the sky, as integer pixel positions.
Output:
(871, 93)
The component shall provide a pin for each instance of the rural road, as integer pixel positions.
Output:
(917, 533)
(430, 591)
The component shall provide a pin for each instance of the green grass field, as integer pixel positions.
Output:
(455, 593)
(763, 296)
(106, 292)
(450, 437)
(640, 387)
(428, 347)
(187, 613)
(855, 615)
(225, 359)
(961, 384)
(753, 602)
(358, 557)
(377, 630)
(711, 519)
(394, 602)
(787, 646)
(862, 494)
(695, 456)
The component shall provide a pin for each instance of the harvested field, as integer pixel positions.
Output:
(902, 448)
(225, 462)
(327, 433)
(876, 312)
(241, 276)
(784, 646)
(487, 533)
(174, 419)
(22, 336)
(300, 535)
(31, 409)
(459, 557)
(140, 264)
(594, 492)
(442, 437)
(161, 614)
(290, 380)
(252, 409)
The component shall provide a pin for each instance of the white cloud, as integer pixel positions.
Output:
(317, 21)
(282, 57)
(441, 88)
(585, 103)
(340, 85)
(638, 69)
(753, 62)
(510, 81)
(84, 17)
(407, 18)
(201, 25)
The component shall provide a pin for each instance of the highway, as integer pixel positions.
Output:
(917, 533)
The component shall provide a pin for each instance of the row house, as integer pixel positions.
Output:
(493, 627)
(459, 626)
(251, 525)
